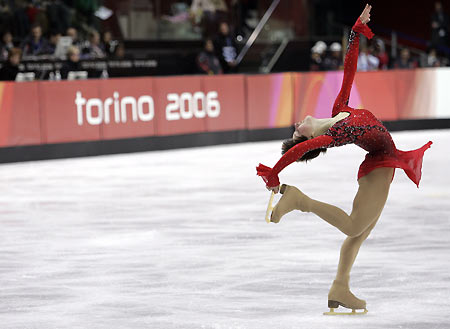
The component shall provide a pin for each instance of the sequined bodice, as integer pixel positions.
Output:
(363, 129)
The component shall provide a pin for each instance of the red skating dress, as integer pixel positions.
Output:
(361, 128)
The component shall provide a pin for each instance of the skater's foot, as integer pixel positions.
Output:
(292, 199)
(340, 294)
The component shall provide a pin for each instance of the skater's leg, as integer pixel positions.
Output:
(349, 251)
(367, 205)
(340, 290)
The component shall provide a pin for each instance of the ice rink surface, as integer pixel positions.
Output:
(177, 239)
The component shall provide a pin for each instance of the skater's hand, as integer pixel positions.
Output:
(365, 16)
(275, 189)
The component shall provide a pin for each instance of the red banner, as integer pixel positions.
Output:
(19, 114)
(128, 107)
(74, 111)
(70, 111)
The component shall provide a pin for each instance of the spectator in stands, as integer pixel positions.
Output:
(85, 13)
(226, 48)
(58, 16)
(317, 56)
(119, 52)
(35, 44)
(366, 60)
(37, 15)
(6, 45)
(21, 26)
(53, 42)
(93, 48)
(73, 33)
(405, 61)
(108, 44)
(207, 60)
(381, 54)
(432, 59)
(6, 16)
(207, 13)
(439, 26)
(333, 61)
(72, 64)
(10, 69)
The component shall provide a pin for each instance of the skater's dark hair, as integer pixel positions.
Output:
(289, 143)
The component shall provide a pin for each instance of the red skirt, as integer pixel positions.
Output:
(409, 161)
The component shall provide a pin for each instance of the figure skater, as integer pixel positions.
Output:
(346, 126)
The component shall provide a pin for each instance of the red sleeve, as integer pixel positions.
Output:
(270, 176)
(350, 64)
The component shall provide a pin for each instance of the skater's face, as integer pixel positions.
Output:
(305, 128)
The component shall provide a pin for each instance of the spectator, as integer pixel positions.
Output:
(439, 26)
(226, 48)
(405, 61)
(242, 10)
(432, 59)
(35, 44)
(21, 26)
(73, 33)
(207, 60)
(93, 48)
(6, 45)
(10, 69)
(85, 10)
(58, 16)
(72, 64)
(53, 42)
(108, 44)
(207, 13)
(37, 15)
(317, 56)
(333, 62)
(119, 52)
(6, 16)
(366, 60)
(381, 54)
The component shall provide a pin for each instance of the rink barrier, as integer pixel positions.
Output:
(77, 118)
(155, 143)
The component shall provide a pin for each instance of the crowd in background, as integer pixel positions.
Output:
(32, 29)
(373, 55)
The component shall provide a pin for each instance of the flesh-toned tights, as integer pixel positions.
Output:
(367, 207)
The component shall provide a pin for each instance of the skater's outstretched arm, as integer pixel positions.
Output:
(351, 59)
(270, 176)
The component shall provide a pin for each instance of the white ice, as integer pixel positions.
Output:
(177, 239)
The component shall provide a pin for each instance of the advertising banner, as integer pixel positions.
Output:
(178, 105)
(19, 114)
(89, 110)
(270, 100)
(71, 111)
(225, 99)
(128, 107)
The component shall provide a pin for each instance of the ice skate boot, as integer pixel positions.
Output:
(340, 295)
(292, 199)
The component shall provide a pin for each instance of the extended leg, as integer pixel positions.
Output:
(367, 205)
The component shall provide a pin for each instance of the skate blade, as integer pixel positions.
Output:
(353, 312)
(269, 208)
